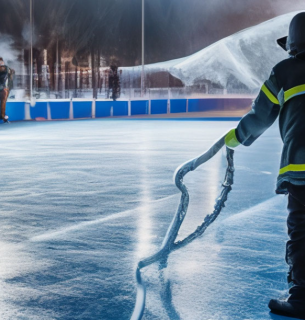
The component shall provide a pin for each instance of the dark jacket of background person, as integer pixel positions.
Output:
(6, 77)
(6, 83)
(114, 82)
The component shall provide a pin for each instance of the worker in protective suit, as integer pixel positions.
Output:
(6, 80)
(283, 95)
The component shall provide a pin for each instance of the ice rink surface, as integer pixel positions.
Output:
(83, 201)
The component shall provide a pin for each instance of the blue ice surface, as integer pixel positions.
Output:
(83, 201)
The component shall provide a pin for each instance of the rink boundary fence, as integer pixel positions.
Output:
(86, 109)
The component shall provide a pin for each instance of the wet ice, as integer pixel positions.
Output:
(83, 201)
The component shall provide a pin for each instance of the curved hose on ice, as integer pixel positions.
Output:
(169, 243)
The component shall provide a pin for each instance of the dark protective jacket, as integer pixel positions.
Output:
(5, 77)
(283, 95)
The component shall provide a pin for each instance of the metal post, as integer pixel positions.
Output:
(142, 74)
(56, 69)
(31, 49)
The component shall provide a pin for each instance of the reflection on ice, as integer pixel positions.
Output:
(16, 260)
(144, 221)
(169, 243)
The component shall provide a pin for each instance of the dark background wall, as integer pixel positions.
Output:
(174, 28)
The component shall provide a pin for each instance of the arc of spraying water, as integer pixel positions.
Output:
(169, 243)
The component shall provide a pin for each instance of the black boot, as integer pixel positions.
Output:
(288, 308)
(294, 306)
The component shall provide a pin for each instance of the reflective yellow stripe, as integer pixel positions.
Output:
(270, 95)
(295, 91)
(293, 167)
(231, 140)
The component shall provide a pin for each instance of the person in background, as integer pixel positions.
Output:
(6, 83)
(114, 82)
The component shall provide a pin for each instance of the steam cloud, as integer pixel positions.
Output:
(7, 52)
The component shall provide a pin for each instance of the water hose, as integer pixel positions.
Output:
(169, 244)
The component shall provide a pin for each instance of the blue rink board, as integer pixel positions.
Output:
(15, 111)
(139, 107)
(40, 110)
(103, 108)
(60, 109)
(158, 106)
(82, 109)
(198, 105)
(178, 105)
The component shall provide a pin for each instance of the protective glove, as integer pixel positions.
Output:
(231, 140)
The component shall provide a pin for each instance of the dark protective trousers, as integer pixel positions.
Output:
(295, 249)
(3, 97)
